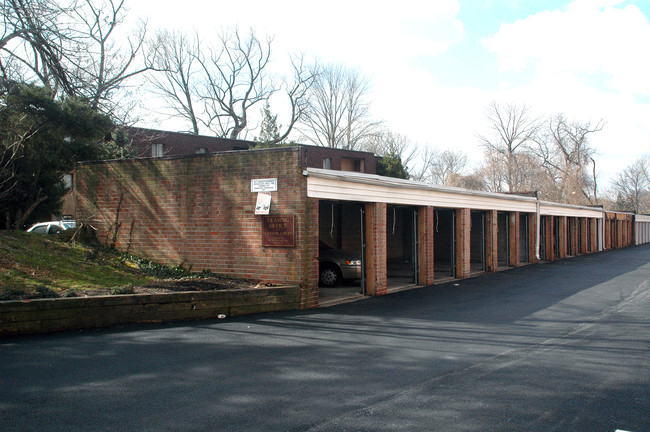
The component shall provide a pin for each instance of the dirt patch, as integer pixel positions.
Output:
(183, 285)
(206, 284)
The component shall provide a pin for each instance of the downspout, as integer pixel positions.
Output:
(538, 229)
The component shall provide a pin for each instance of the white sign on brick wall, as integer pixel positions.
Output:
(263, 204)
(264, 185)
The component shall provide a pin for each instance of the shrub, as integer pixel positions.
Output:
(45, 292)
(12, 293)
(122, 290)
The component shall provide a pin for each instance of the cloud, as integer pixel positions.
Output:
(589, 37)
(587, 61)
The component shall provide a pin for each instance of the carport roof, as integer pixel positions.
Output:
(354, 186)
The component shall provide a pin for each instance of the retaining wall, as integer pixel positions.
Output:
(48, 315)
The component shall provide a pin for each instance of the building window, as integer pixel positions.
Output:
(349, 164)
(201, 150)
(327, 163)
(157, 150)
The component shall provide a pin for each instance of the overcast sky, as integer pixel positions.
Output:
(436, 65)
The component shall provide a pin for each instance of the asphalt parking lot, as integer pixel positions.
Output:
(550, 347)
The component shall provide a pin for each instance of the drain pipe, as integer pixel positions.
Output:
(538, 229)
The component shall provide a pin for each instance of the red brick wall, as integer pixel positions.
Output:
(177, 144)
(463, 234)
(312, 157)
(593, 232)
(513, 229)
(426, 227)
(199, 212)
(376, 270)
(492, 229)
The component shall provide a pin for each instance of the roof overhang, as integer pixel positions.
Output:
(548, 208)
(360, 187)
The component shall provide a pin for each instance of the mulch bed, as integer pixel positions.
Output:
(207, 284)
(166, 286)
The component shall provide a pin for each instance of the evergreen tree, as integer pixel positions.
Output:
(40, 140)
(269, 130)
(391, 165)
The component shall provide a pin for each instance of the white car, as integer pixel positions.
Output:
(52, 227)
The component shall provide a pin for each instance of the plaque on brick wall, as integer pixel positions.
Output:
(279, 231)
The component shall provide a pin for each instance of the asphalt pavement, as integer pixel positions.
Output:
(563, 346)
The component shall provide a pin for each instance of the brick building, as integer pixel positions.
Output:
(198, 210)
(156, 143)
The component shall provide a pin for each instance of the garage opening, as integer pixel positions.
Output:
(543, 238)
(556, 236)
(444, 244)
(570, 234)
(478, 242)
(503, 239)
(401, 246)
(524, 239)
(341, 250)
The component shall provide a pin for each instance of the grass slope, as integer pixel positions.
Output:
(35, 264)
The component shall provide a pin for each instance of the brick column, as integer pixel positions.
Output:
(376, 271)
(426, 227)
(491, 246)
(309, 285)
(513, 228)
(463, 244)
(532, 237)
(594, 234)
(584, 232)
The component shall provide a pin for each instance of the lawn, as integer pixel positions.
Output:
(38, 266)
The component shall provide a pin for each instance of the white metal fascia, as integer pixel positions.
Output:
(548, 208)
(642, 218)
(352, 186)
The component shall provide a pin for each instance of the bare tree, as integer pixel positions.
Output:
(338, 112)
(172, 58)
(235, 80)
(512, 129)
(567, 156)
(71, 48)
(296, 92)
(632, 187)
(420, 170)
(102, 68)
(33, 40)
(445, 164)
(387, 142)
(218, 91)
(474, 181)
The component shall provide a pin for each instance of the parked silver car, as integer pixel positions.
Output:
(337, 265)
(52, 227)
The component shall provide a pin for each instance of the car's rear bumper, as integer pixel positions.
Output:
(350, 272)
